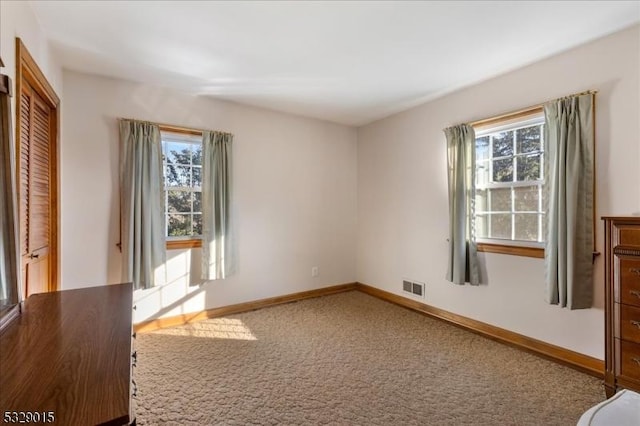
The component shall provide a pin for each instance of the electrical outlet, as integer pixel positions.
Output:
(315, 271)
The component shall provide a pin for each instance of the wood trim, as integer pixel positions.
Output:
(537, 109)
(525, 111)
(183, 244)
(179, 129)
(622, 220)
(176, 129)
(195, 242)
(609, 314)
(26, 65)
(536, 252)
(578, 361)
(155, 324)
(27, 70)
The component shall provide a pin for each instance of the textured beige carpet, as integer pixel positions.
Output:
(348, 359)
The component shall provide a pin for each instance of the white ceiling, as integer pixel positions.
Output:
(347, 62)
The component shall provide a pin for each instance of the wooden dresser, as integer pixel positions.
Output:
(68, 358)
(622, 304)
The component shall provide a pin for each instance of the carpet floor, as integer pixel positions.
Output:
(348, 359)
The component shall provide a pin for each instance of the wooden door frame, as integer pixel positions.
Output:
(27, 70)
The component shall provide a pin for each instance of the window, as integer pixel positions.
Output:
(182, 165)
(510, 172)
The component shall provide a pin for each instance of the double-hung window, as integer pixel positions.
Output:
(510, 174)
(182, 165)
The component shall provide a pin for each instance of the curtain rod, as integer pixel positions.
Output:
(527, 110)
(173, 127)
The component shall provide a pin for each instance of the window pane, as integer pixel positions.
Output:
(178, 201)
(482, 148)
(481, 226)
(178, 175)
(178, 153)
(182, 155)
(179, 225)
(500, 226)
(481, 200)
(509, 172)
(197, 224)
(528, 139)
(528, 167)
(526, 198)
(197, 202)
(196, 155)
(503, 144)
(197, 177)
(526, 226)
(501, 200)
(482, 173)
(503, 170)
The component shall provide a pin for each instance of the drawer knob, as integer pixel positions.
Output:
(636, 323)
(635, 271)
(636, 360)
(635, 293)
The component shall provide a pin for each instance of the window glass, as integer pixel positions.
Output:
(509, 179)
(182, 156)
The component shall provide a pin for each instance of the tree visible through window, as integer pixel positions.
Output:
(509, 178)
(182, 163)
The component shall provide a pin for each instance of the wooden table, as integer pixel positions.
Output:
(69, 353)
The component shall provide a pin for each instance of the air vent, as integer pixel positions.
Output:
(414, 288)
(418, 289)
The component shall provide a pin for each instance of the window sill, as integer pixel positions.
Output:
(537, 252)
(183, 244)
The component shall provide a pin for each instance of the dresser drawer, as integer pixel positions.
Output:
(629, 275)
(629, 235)
(630, 323)
(630, 360)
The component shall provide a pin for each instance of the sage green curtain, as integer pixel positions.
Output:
(463, 260)
(142, 210)
(218, 260)
(9, 267)
(569, 151)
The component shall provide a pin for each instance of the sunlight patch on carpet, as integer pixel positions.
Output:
(214, 328)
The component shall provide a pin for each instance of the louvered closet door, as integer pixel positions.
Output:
(35, 191)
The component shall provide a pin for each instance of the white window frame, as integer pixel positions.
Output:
(182, 138)
(513, 125)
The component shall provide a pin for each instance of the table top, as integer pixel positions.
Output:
(69, 353)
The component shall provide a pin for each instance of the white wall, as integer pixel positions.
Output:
(295, 196)
(17, 20)
(402, 191)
